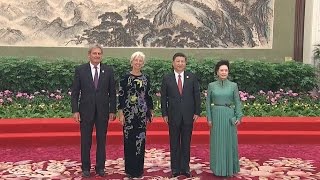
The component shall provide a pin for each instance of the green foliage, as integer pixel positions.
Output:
(316, 52)
(34, 74)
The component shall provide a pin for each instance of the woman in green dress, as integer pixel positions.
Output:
(223, 115)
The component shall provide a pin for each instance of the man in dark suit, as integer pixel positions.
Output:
(93, 102)
(180, 106)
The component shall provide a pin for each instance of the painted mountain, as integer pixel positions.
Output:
(138, 23)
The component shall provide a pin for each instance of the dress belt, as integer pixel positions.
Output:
(225, 105)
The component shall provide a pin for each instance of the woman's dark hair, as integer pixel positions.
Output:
(220, 63)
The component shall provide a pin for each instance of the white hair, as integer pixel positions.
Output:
(137, 54)
(95, 46)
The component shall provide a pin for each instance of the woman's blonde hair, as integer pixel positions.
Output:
(137, 54)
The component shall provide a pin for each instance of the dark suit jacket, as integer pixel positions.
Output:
(85, 98)
(177, 106)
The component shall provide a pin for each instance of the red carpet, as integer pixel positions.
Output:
(270, 148)
(263, 161)
(253, 130)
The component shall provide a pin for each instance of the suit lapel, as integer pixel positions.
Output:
(175, 85)
(186, 81)
(89, 75)
(102, 75)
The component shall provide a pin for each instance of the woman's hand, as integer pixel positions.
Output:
(121, 117)
(237, 123)
(210, 124)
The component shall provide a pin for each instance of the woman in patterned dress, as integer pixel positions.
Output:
(135, 111)
(224, 115)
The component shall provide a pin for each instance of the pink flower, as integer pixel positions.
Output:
(19, 95)
(244, 98)
(52, 95)
(1, 94)
(262, 92)
(251, 97)
(31, 97)
(158, 94)
(295, 94)
(7, 92)
(58, 97)
(242, 94)
(1, 101)
(270, 93)
(9, 99)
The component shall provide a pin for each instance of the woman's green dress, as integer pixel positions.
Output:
(223, 110)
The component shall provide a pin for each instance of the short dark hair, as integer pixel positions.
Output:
(221, 63)
(179, 55)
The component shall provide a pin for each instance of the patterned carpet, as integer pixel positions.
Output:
(257, 162)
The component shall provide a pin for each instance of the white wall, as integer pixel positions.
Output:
(311, 30)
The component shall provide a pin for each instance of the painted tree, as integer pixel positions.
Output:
(260, 13)
(110, 32)
(137, 27)
(164, 38)
(132, 18)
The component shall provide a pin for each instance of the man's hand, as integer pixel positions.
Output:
(195, 117)
(76, 117)
(112, 116)
(165, 118)
(151, 117)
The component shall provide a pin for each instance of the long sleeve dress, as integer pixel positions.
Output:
(136, 103)
(223, 110)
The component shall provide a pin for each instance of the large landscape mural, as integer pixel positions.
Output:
(138, 23)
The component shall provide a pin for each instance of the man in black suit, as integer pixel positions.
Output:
(180, 106)
(93, 102)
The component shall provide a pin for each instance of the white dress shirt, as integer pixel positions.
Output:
(182, 77)
(93, 70)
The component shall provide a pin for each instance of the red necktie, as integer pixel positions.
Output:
(95, 78)
(180, 84)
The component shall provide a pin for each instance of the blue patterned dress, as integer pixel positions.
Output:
(136, 102)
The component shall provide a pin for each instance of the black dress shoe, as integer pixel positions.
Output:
(129, 176)
(175, 174)
(85, 174)
(101, 172)
(186, 174)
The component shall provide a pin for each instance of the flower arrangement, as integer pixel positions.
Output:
(57, 104)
